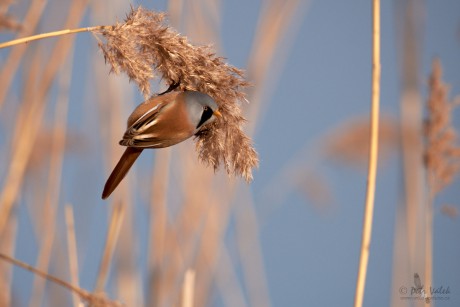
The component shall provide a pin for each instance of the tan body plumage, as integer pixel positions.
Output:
(159, 122)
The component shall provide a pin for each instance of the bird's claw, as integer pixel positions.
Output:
(171, 88)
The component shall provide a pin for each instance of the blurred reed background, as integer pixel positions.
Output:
(175, 233)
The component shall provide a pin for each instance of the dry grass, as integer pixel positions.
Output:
(113, 232)
(197, 68)
(189, 208)
(11, 65)
(8, 245)
(91, 299)
(373, 157)
(72, 251)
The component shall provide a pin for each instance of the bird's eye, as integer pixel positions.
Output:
(207, 114)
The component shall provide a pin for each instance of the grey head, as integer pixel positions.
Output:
(201, 108)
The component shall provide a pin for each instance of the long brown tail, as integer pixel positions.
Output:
(121, 169)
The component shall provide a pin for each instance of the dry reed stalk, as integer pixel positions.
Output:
(190, 229)
(25, 134)
(227, 281)
(275, 21)
(274, 35)
(158, 224)
(250, 251)
(158, 228)
(214, 228)
(20, 152)
(412, 144)
(113, 95)
(72, 252)
(409, 228)
(28, 39)
(188, 288)
(166, 280)
(209, 219)
(116, 219)
(182, 237)
(189, 224)
(373, 155)
(442, 154)
(175, 8)
(212, 232)
(186, 227)
(201, 14)
(7, 245)
(47, 238)
(54, 180)
(12, 63)
(210, 249)
(128, 278)
(8, 237)
(91, 299)
(205, 232)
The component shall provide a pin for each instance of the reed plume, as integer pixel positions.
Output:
(144, 47)
(442, 154)
(9, 23)
(349, 142)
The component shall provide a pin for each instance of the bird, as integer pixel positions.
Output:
(162, 121)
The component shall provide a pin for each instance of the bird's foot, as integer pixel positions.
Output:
(171, 88)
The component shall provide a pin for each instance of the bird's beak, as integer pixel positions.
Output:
(217, 113)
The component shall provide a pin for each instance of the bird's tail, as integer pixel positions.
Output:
(121, 169)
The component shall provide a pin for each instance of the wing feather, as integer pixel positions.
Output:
(158, 123)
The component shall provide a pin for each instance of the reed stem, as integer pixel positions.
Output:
(373, 155)
(27, 39)
(82, 293)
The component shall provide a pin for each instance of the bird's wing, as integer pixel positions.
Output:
(158, 122)
(140, 126)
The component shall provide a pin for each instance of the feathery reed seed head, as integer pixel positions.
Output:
(450, 211)
(144, 47)
(349, 142)
(442, 154)
(9, 23)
